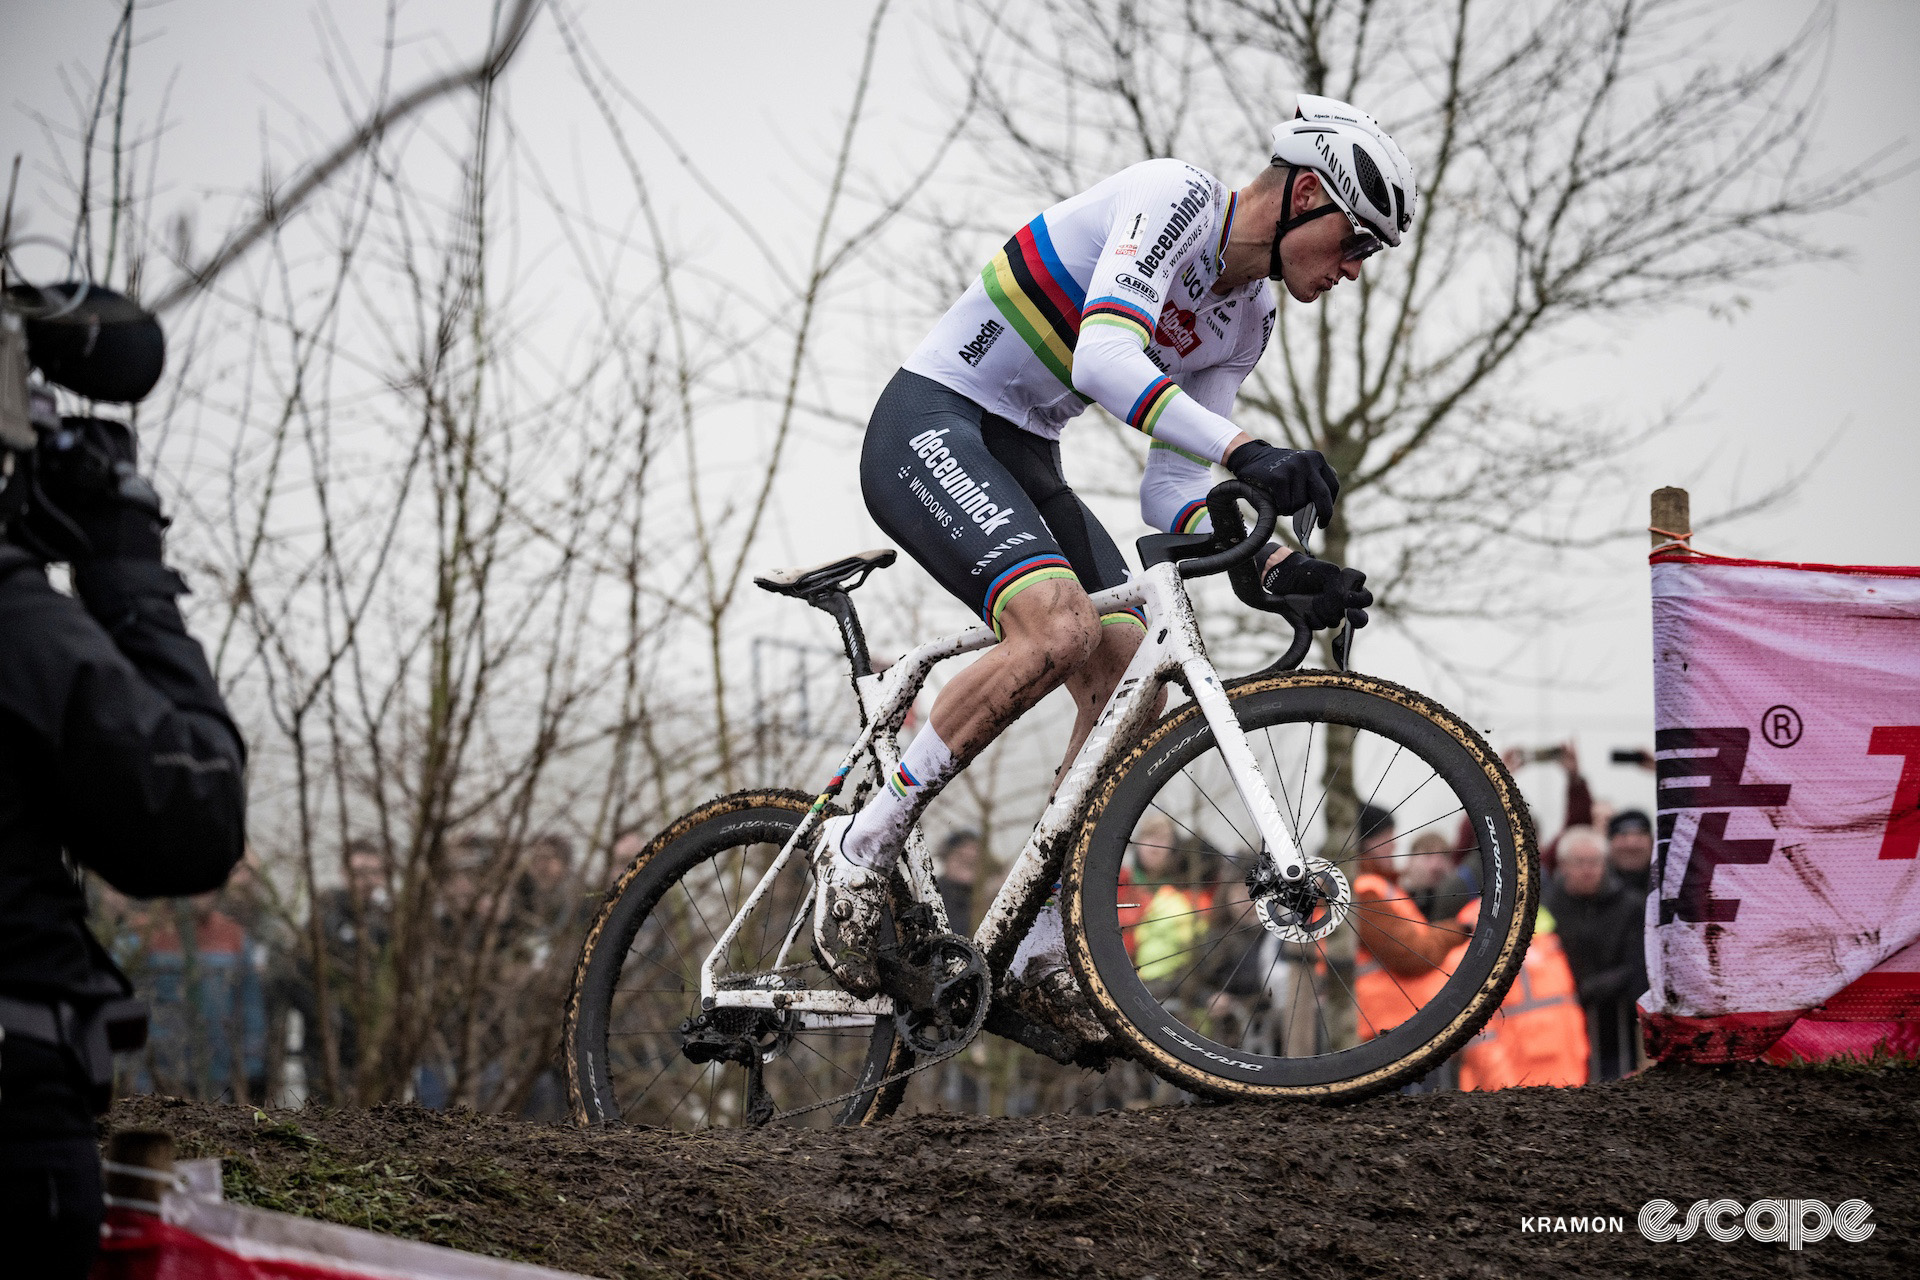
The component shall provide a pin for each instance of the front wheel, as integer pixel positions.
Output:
(1228, 986)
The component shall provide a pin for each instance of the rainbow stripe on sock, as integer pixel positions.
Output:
(901, 780)
(1132, 614)
(1017, 578)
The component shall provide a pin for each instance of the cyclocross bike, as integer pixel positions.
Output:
(1204, 864)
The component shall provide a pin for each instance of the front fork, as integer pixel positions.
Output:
(1183, 650)
(1282, 853)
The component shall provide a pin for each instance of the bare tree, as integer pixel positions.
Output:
(437, 506)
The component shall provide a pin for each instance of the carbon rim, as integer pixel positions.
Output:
(1195, 1009)
(639, 978)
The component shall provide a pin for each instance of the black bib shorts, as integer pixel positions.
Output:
(981, 504)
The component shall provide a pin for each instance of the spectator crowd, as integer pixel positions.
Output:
(231, 980)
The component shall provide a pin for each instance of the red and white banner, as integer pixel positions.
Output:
(193, 1234)
(1785, 878)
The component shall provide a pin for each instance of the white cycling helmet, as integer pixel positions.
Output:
(1364, 171)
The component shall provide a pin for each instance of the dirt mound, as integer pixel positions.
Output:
(1427, 1186)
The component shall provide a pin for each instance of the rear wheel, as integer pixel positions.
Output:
(638, 981)
(1224, 984)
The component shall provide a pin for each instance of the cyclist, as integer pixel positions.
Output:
(1146, 294)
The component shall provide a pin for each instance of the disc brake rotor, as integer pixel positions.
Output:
(1308, 909)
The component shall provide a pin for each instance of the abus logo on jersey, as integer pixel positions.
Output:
(1176, 330)
(1140, 287)
(1185, 210)
(945, 470)
(989, 334)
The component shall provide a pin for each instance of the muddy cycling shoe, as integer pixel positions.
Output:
(1049, 994)
(848, 910)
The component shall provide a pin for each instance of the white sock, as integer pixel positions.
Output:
(878, 830)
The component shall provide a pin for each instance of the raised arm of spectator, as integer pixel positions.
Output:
(135, 738)
(1579, 806)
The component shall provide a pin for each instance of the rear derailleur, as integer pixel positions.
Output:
(749, 1037)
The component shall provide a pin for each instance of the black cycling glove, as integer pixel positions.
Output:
(1294, 478)
(1337, 593)
(88, 471)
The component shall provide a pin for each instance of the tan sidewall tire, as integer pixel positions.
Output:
(1506, 964)
(579, 1091)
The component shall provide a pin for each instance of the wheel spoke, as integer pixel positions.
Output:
(639, 1054)
(1306, 1010)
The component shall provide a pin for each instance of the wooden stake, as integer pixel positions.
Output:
(1672, 517)
(140, 1149)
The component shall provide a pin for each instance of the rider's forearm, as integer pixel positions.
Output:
(1110, 366)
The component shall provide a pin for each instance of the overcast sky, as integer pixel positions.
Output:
(1819, 378)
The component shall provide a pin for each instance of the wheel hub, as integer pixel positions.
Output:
(1306, 910)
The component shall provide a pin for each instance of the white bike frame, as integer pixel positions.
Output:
(1172, 647)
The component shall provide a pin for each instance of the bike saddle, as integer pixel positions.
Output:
(814, 579)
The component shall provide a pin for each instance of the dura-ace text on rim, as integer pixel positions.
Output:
(1146, 1015)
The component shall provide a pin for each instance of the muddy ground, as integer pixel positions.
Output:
(1427, 1186)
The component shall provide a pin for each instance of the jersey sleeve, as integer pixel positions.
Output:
(1173, 490)
(1157, 224)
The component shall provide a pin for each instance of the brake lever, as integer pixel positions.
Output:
(1303, 526)
(1343, 647)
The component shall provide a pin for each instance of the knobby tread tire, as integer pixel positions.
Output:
(583, 1024)
(1466, 1023)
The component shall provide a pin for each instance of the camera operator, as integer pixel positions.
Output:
(117, 754)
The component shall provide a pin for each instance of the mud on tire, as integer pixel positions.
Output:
(626, 998)
(1141, 1012)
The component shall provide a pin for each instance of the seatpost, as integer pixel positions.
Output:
(839, 605)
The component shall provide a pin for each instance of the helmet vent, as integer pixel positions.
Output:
(1371, 183)
(1400, 218)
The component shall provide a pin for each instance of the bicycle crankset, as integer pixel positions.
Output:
(941, 988)
(1307, 909)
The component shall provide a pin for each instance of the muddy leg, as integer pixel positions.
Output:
(1094, 682)
(1048, 633)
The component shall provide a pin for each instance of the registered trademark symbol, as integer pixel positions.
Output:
(1781, 726)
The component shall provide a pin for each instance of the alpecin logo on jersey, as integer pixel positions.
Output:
(989, 334)
(1176, 329)
(1188, 207)
(945, 471)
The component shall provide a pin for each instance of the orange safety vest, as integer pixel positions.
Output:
(1538, 1035)
(1386, 999)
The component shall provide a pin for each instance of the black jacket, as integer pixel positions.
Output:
(115, 747)
(1604, 938)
